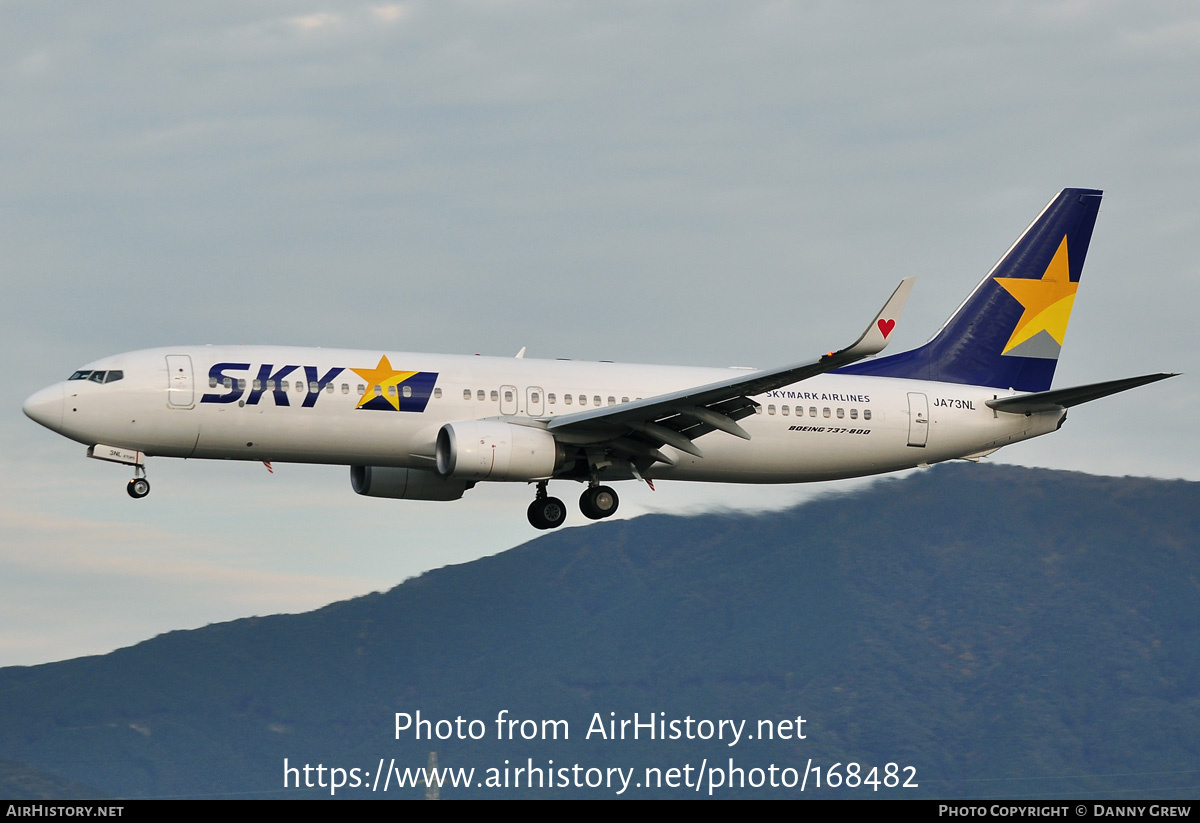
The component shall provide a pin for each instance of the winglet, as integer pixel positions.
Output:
(874, 339)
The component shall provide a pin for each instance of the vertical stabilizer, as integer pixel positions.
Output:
(1009, 331)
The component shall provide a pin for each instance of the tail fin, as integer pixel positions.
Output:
(1009, 331)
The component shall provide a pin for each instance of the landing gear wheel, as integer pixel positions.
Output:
(598, 502)
(546, 513)
(138, 488)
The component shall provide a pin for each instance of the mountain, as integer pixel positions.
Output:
(1005, 632)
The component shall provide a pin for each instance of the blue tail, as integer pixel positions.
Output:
(1009, 331)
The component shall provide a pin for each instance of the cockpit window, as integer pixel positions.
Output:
(98, 376)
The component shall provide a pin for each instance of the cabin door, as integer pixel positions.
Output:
(180, 392)
(918, 419)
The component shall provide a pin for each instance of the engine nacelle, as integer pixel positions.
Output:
(495, 450)
(405, 484)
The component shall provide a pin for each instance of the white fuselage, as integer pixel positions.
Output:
(182, 402)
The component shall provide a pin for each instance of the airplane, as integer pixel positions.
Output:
(432, 426)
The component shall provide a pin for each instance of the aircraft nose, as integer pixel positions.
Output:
(46, 407)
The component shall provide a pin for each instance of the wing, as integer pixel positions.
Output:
(639, 429)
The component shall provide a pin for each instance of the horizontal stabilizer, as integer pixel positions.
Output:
(1065, 398)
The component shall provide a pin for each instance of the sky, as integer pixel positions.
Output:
(718, 183)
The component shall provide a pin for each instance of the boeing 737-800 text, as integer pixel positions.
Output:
(431, 426)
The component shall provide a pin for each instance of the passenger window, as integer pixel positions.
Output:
(841, 413)
(508, 396)
(624, 399)
(854, 414)
(533, 398)
(495, 395)
(812, 411)
(345, 388)
(596, 399)
(758, 409)
(825, 411)
(329, 387)
(583, 399)
(313, 388)
(466, 394)
(391, 391)
(257, 384)
(299, 385)
(479, 395)
(212, 381)
(378, 391)
(242, 383)
(550, 398)
(283, 384)
(783, 410)
(362, 389)
(770, 409)
(437, 393)
(866, 414)
(612, 401)
(270, 385)
(567, 399)
(227, 382)
(406, 391)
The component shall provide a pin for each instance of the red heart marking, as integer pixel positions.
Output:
(886, 327)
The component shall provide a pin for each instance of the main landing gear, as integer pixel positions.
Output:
(139, 486)
(598, 502)
(545, 512)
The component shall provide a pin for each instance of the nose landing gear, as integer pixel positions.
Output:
(139, 486)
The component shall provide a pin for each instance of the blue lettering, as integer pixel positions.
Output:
(264, 375)
(310, 372)
(217, 372)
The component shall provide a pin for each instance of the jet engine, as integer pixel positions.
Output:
(405, 484)
(494, 450)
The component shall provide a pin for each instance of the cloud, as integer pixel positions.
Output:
(35, 63)
(1175, 36)
(389, 14)
(315, 22)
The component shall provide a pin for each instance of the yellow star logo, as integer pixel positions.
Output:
(1047, 301)
(384, 377)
